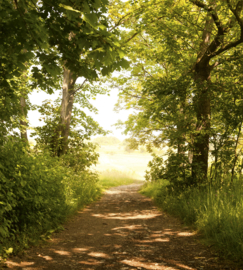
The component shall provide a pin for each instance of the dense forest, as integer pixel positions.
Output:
(180, 70)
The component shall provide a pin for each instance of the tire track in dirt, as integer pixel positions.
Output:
(123, 230)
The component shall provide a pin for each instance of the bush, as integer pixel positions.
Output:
(38, 191)
(176, 170)
(157, 169)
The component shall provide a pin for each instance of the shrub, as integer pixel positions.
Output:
(38, 191)
(176, 170)
(157, 169)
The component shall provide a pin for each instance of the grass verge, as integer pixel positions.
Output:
(217, 213)
(113, 178)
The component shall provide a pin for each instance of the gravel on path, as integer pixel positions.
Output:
(124, 230)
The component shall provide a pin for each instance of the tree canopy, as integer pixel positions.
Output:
(38, 38)
(185, 80)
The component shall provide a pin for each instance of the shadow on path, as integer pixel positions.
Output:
(124, 231)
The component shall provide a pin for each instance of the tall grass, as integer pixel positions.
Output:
(217, 213)
(113, 178)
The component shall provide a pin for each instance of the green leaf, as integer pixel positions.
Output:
(23, 183)
(121, 53)
(9, 251)
(124, 63)
(90, 19)
(97, 4)
(3, 231)
(69, 8)
(102, 27)
(106, 70)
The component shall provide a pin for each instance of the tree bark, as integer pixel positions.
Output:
(236, 154)
(23, 123)
(181, 127)
(68, 93)
(202, 105)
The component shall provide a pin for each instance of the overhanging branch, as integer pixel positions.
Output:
(213, 13)
(81, 86)
(237, 11)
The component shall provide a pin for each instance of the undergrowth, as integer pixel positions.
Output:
(216, 212)
(38, 192)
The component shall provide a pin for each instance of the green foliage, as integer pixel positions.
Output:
(82, 127)
(216, 212)
(175, 170)
(157, 170)
(31, 193)
(179, 85)
(152, 189)
(39, 38)
(129, 146)
(39, 191)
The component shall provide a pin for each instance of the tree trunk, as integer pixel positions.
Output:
(190, 149)
(181, 130)
(23, 123)
(202, 107)
(68, 93)
(236, 154)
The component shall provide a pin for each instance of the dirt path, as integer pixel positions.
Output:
(124, 231)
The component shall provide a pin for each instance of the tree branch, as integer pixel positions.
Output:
(134, 35)
(213, 14)
(227, 47)
(211, 50)
(81, 86)
(237, 11)
(145, 71)
(120, 21)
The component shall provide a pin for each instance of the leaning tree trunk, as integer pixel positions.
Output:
(23, 122)
(68, 93)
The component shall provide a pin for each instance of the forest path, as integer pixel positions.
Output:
(123, 230)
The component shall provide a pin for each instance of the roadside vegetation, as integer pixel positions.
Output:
(48, 47)
(183, 81)
(215, 212)
(40, 191)
(185, 90)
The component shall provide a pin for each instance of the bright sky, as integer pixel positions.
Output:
(104, 103)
